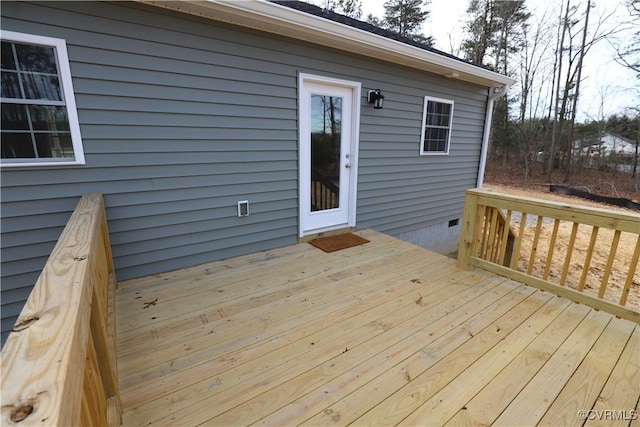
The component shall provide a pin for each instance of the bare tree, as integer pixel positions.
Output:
(628, 49)
(572, 123)
(565, 102)
(557, 124)
(628, 54)
(531, 128)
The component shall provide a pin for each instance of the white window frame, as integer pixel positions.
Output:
(67, 96)
(423, 152)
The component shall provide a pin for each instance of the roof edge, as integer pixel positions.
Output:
(278, 19)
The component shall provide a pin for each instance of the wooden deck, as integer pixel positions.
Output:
(381, 334)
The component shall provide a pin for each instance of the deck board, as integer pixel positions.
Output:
(589, 379)
(385, 333)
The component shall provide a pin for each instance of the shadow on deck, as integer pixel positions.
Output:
(385, 333)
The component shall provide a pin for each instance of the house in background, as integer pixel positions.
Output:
(611, 151)
(220, 128)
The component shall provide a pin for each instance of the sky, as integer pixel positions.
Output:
(602, 76)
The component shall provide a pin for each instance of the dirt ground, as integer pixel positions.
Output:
(604, 183)
(601, 253)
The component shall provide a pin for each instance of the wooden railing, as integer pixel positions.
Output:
(549, 250)
(59, 362)
(324, 193)
(498, 237)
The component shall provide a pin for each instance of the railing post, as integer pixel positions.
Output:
(59, 364)
(468, 230)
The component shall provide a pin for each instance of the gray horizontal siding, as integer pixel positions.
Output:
(181, 117)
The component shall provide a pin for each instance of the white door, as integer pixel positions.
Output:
(329, 111)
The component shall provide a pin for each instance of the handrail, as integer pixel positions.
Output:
(484, 244)
(59, 362)
(324, 193)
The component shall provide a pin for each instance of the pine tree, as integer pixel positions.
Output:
(374, 20)
(481, 28)
(405, 17)
(495, 31)
(350, 8)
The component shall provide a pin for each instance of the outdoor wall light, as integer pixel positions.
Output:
(376, 98)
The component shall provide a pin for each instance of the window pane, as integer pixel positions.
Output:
(432, 134)
(443, 134)
(431, 119)
(445, 113)
(8, 62)
(46, 117)
(37, 59)
(427, 134)
(326, 136)
(10, 85)
(14, 117)
(435, 139)
(38, 86)
(54, 144)
(438, 113)
(440, 108)
(440, 120)
(437, 146)
(17, 146)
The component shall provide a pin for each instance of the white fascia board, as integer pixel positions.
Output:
(271, 17)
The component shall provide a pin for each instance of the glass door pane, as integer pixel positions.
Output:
(326, 134)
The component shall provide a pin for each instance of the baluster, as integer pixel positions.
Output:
(567, 261)
(587, 261)
(505, 238)
(491, 247)
(516, 251)
(632, 270)
(607, 270)
(552, 247)
(534, 247)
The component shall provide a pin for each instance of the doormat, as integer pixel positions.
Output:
(337, 242)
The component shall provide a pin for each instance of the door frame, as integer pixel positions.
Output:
(304, 156)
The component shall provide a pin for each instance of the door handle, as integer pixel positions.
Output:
(347, 165)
